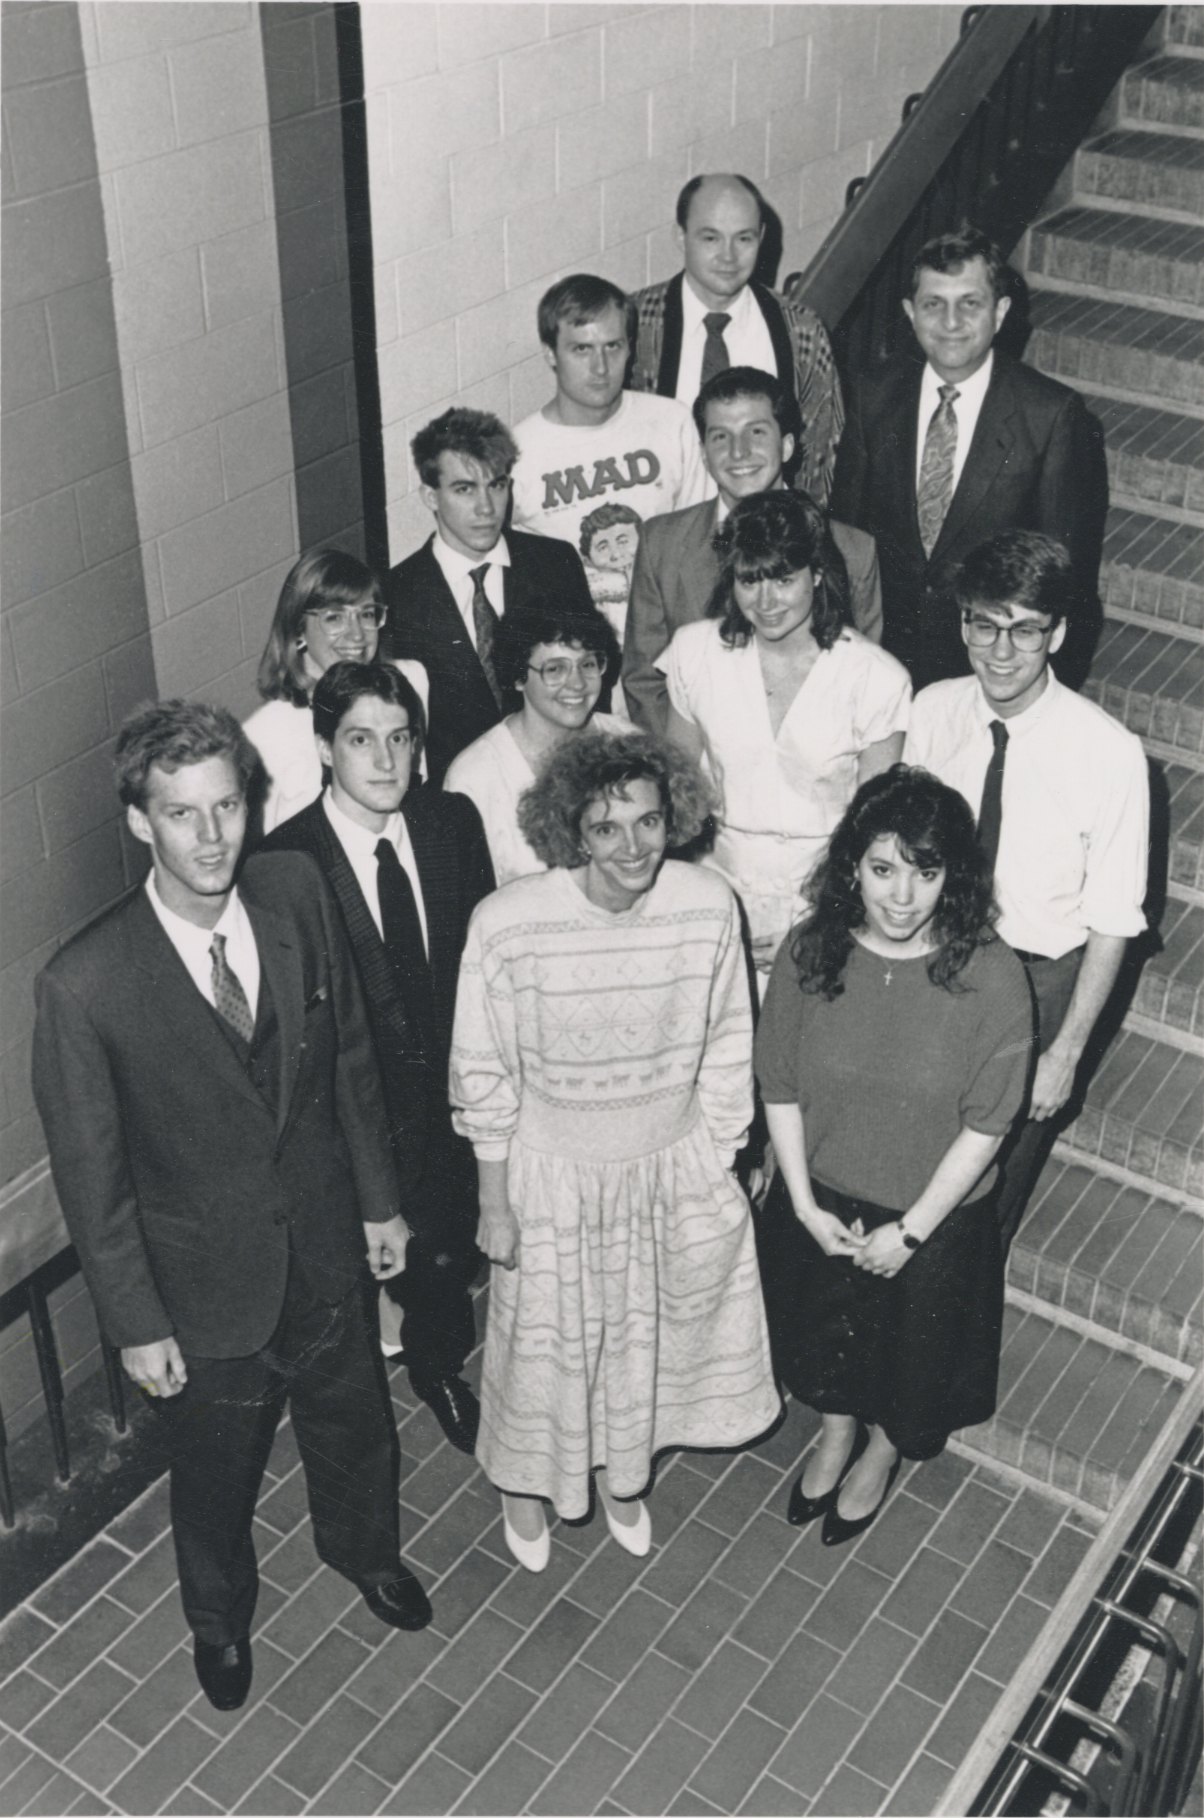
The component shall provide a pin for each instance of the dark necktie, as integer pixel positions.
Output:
(935, 489)
(229, 998)
(990, 815)
(403, 930)
(485, 624)
(715, 357)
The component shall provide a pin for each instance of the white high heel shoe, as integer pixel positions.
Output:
(533, 1554)
(636, 1539)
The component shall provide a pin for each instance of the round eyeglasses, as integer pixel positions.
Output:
(336, 619)
(558, 669)
(1024, 635)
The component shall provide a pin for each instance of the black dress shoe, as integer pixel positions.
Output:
(801, 1509)
(836, 1530)
(454, 1406)
(402, 1603)
(224, 1673)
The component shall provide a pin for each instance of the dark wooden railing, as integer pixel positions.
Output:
(985, 143)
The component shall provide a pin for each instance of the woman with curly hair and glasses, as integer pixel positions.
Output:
(892, 1055)
(330, 610)
(792, 707)
(601, 1066)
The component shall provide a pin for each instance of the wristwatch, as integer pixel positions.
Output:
(910, 1242)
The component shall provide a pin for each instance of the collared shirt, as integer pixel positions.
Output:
(1074, 834)
(967, 409)
(194, 944)
(457, 572)
(359, 844)
(746, 337)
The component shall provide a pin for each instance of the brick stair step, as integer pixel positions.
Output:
(1128, 1261)
(1166, 91)
(1150, 565)
(1117, 347)
(1185, 26)
(1185, 796)
(1152, 682)
(1159, 260)
(1156, 455)
(1073, 1412)
(1157, 170)
(1170, 989)
(1141, 1111)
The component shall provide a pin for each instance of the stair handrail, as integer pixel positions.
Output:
(931, 128)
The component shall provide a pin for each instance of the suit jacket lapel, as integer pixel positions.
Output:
(446, 628)
(281, 964)
(775, 322)
(174, 1001)
(698, 570)
(432, 873)
(898, 456)
(379, 979)
(666, 378)
(989, 449)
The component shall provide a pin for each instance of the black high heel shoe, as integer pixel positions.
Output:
(802, 1509)
(836, 1530)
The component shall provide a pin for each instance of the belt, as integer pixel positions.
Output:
(1042, 959)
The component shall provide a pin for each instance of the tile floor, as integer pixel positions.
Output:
(740, 1667)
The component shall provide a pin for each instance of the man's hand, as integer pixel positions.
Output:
(158, 1368)
(885, 1253)
(387, 1247)
(1052, 1083)
(833, 1236)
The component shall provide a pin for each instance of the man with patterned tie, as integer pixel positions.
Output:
(445, 600)
(205, 1073)
(714, 314)
(407, 868)
(1061, 793)
(940, 454)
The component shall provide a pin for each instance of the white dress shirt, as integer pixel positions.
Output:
(967, 409)
(457, 572)
(359, 845)
(194, 944)
(1074, 834)
(746, 337)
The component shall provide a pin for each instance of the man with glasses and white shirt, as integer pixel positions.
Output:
(1061, 792)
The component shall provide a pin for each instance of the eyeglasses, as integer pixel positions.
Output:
(558, 669)
(1024, 634)
(335, 619)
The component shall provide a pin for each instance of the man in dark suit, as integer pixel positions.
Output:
(743, 419)
(939, 455)
(407, 868)
(715, 314)
(205, 1073)
(446, 599)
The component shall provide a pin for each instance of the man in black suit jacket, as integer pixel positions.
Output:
(446, 599)
(369, 724)
(205, 1073)
(1021, 453)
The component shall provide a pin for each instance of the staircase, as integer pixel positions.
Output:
(1104, 1317)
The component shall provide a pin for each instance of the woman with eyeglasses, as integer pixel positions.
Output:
(555, 660)
(330, 610)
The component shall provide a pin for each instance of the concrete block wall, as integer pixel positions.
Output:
(181, 121)
(511, 144)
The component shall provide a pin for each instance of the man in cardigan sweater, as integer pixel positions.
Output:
(714, 314)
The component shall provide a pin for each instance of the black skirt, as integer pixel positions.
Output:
(916, 1353)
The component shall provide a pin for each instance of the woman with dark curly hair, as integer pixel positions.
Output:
(552, 661)
(330, 610)
(601, 1066)
(892, 1055)
(792, 706)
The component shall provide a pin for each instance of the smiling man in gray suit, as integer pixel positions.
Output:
(206, 1077)
(743, 417)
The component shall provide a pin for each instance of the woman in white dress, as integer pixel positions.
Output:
(791, 706)
(555, 661)
(601, 1069)
(330, 610)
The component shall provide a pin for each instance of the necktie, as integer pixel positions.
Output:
(990, 815)
(715, 357)
(485, 624)
(936, 468)
(403, 930)
(229, 998)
